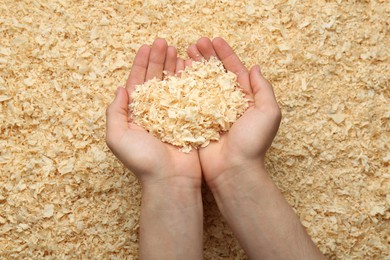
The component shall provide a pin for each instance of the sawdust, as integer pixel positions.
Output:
(191, 110)
(64, 195)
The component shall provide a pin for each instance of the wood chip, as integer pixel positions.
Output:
(191, 110)
(60, 63)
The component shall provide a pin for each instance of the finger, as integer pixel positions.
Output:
(194, 53)
(117, 113)
(187, 63)
(139, 68)
(179, 66)
(262, 89)
(232, 63)
(206, 48)
(170, 61)
(157, 59)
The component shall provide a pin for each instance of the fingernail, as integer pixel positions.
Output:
(258, 69)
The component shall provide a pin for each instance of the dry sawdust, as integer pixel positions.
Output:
(191, 110)
(64, 195)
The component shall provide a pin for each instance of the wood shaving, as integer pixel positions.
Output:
(191, 110)
(61, 61)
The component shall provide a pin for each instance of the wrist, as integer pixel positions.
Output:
(171, 219)
(242, 183)
(176, 192)
(168, 176)
(259, 215)
(237, 173)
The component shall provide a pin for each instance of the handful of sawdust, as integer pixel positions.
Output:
(192, 110)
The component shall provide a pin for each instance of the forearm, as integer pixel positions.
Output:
(263, 221)
(171, 225)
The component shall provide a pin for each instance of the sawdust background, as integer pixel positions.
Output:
(63, 194)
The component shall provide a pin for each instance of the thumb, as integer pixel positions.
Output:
(262, 89)
(121, 100)
(117, 116)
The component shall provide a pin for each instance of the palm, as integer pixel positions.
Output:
(252, 134)
(142, 153)
(238, 143)
(149, 154)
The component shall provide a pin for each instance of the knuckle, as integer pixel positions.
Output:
(241, 72)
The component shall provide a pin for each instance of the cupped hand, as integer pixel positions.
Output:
(251, 135)
(146, 156)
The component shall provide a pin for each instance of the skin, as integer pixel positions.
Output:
(233, 168)
(146, 156)
(171, 221)
(252, 134)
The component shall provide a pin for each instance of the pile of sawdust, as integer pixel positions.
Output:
(64, 195)
(191, 110)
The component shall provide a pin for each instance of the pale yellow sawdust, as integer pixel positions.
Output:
(64, 195)
(192, 109)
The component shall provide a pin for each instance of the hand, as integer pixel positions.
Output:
(171, 208)
(151, 160)
(260, 217)
(251, 135)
